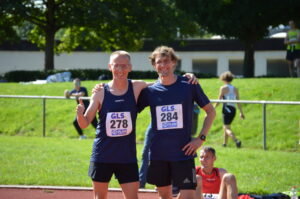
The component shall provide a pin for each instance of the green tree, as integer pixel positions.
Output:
(246, 20)
(7, 30)
(109, 24)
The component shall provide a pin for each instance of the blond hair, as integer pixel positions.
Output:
(163, 51)
(119, 53)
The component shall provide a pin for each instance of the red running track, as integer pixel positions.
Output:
(62, 193)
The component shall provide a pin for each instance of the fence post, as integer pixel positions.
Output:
(264, 127)
(44, 117)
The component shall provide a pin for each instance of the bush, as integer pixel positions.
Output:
(19, 76)
(25, 76)
(84, 74)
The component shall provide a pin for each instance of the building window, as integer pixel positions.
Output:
(178, 66)
(236, 66)
(205, 66)
(277, 67)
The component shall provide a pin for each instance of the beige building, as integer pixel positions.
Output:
(205, 56)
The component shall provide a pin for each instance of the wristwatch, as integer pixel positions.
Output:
(202, 137)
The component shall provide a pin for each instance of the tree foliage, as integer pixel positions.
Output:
(92, 24)
(247, 20)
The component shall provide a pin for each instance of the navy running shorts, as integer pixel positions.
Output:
(124, 172)
(228, 113)
(181, 174)
(292, 55)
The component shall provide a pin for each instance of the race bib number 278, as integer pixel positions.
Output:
(118, 124)
(169, 117)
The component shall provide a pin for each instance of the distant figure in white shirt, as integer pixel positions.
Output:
(229, 92)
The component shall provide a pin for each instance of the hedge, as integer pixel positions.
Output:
(83, 74)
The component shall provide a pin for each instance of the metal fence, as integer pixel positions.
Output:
(262, 102)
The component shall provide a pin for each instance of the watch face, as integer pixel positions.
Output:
(202, 137)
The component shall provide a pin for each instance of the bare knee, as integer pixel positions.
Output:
(165, 192)
(229, 178)
(187, 194)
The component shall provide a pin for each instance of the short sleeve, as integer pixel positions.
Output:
(199, 96)
(85, 91)
(72, 91)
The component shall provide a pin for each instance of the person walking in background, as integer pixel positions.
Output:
(292, 41)
(211, 181)
(79, 91)
(229, 92)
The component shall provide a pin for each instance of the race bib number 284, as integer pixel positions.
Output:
(169, 117)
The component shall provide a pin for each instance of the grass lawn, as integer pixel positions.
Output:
(62, 159)
(24, 116)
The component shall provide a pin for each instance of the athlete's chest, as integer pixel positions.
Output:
(169, 96)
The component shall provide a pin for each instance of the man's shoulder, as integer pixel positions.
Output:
(139, 84)
(222, 171)
(183, 80)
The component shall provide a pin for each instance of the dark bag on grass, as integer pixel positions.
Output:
(269, 196)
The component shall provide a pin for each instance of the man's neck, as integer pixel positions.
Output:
(168, 80)
(119, 86)
(207, 171)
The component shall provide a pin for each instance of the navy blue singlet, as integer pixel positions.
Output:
(115, 134)
(171, 112)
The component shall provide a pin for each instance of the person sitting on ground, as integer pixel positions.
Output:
(214, 182)
(79, 91)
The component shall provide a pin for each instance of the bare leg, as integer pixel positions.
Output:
(130, 190)
(225, 136)
(291, 71)
(297, 64)
(228, 188)
(165, 192)
(229, 132)
(100, 190)
(198, 192)
(186, 194)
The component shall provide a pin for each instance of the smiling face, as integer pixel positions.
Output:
(164, 65)
(120, 66)
(207, 159)
(164, 60)
(76, 83)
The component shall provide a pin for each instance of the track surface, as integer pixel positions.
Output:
(63, 193)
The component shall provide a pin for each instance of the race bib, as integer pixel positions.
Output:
(118, 124)
(169, 117)
(210, 196)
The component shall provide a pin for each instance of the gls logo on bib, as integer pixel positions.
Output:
(169, 117)
(118, 124)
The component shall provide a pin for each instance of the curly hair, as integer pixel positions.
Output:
(163, 51)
